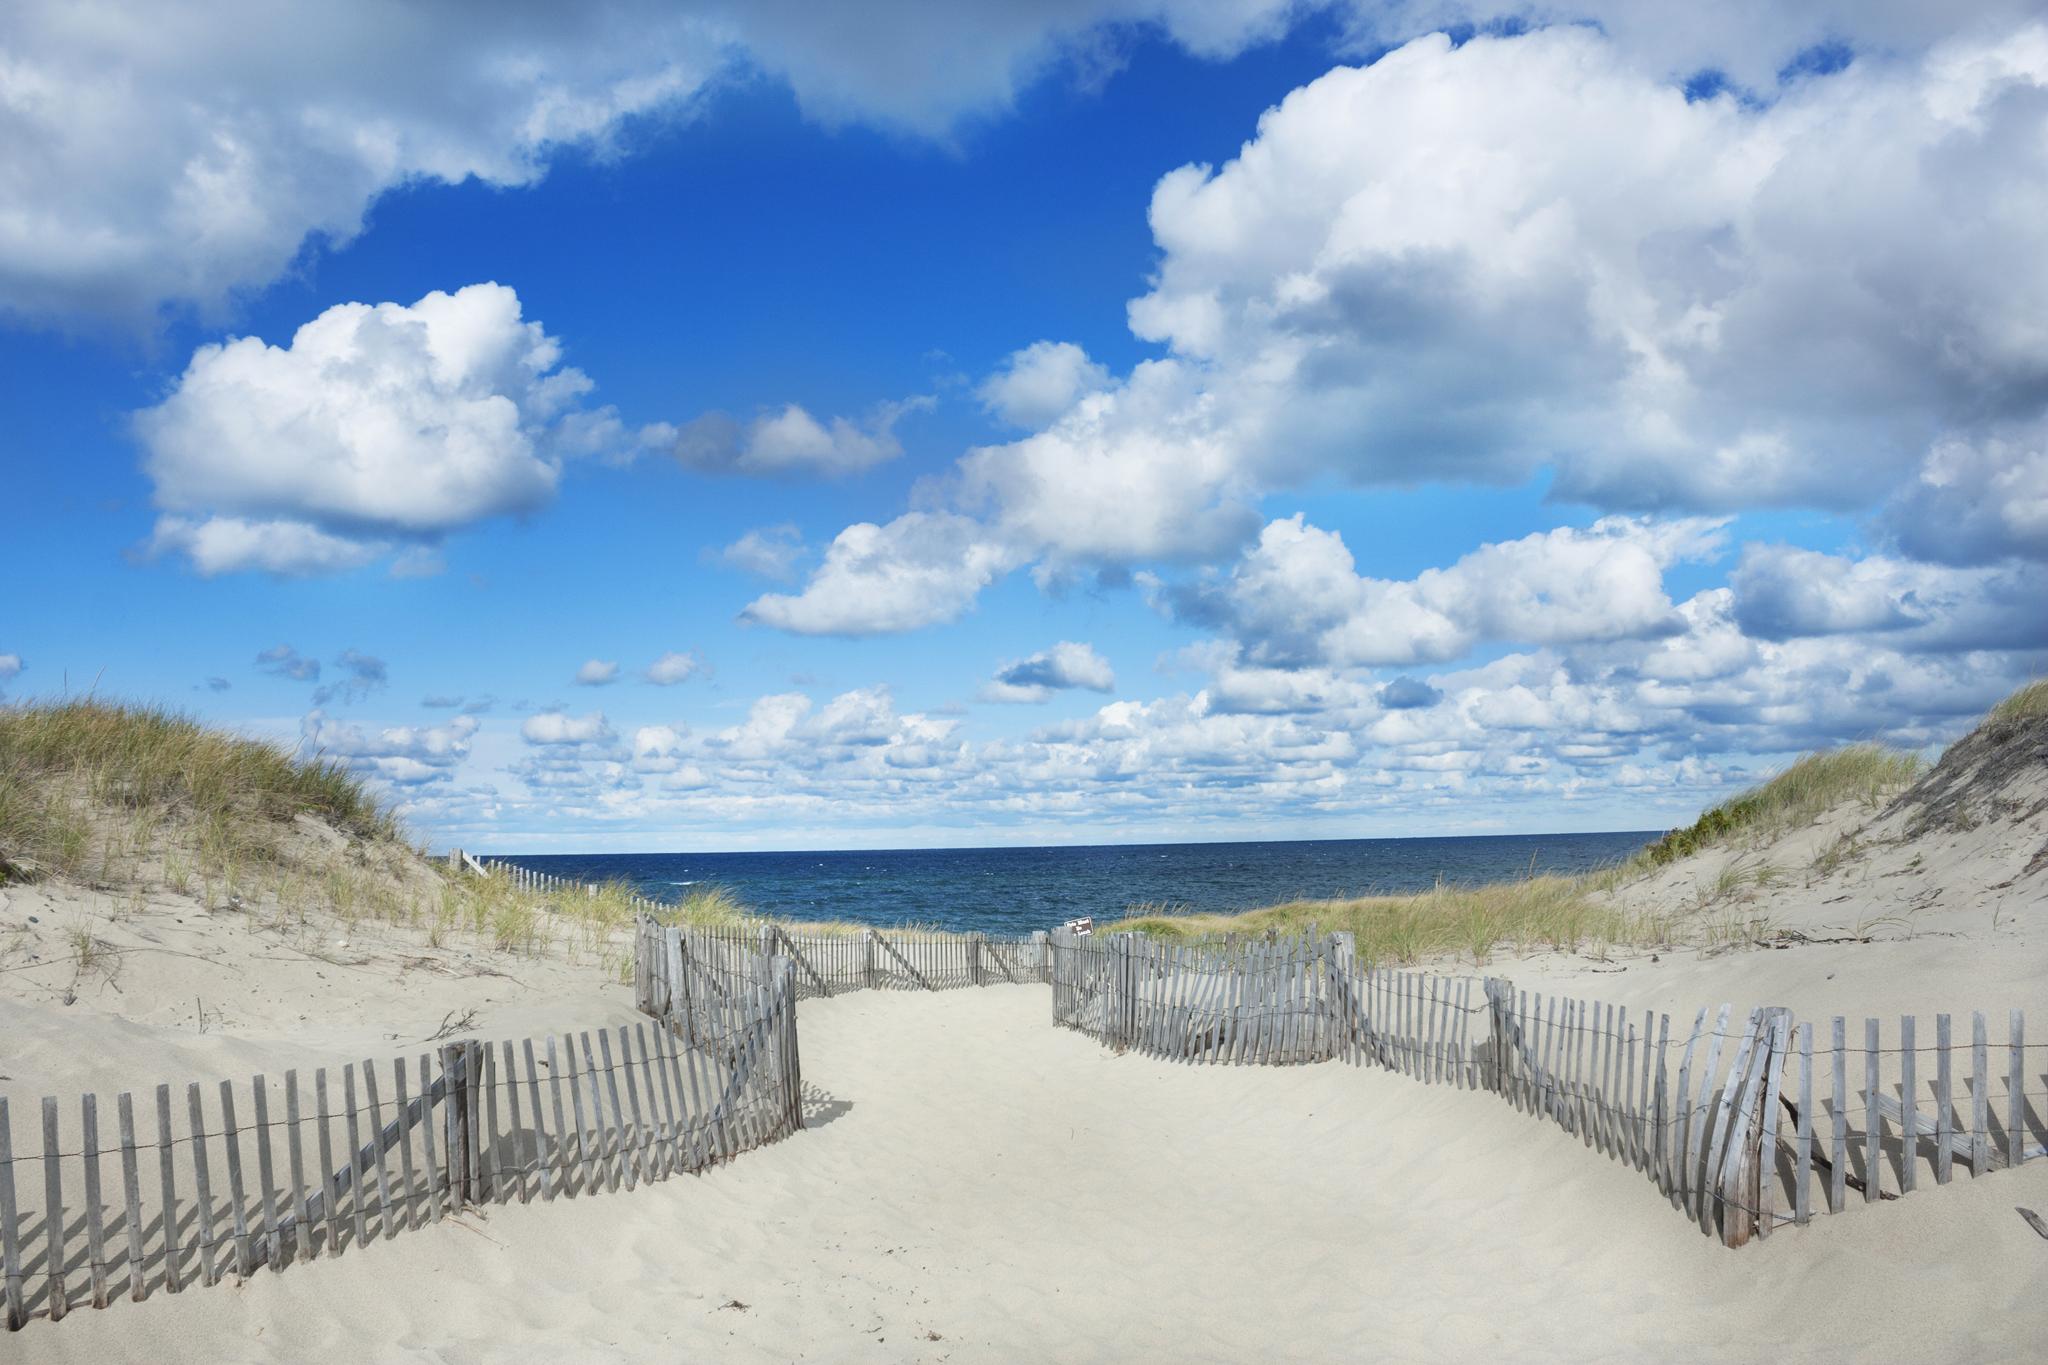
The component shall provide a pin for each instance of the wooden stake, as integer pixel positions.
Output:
(1980, 1099)
(510, 1072)
(1873, 1150)
(295, 1148)
(358, 1215)
(266, 1175)
(1944, 1116)
(10, 1226)
(95, 1231)
(131, 1195)
(542, 1158)
(53, 1210)
(2015, 1092)
(410, 1211)
(325, 1233)
(209, 1272)
(437, 1188)
(166, 1176)
(1909, 1107)
(231, 1136)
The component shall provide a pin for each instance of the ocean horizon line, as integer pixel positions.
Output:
(484, 852)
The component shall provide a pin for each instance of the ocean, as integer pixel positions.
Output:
(1017, 890)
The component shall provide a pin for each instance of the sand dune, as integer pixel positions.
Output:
(979, 1186)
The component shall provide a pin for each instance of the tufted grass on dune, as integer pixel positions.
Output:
(2031, 700)
(1812, 786)
(1537, 912)
(87, 785)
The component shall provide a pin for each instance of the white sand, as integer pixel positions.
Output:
(980, 1186)
(183, 994)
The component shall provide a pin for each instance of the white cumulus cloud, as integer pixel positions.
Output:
(792, 441)
(179, 158)
(1782, 592)
(1039, 383)
(920, 569)
(376, 425)
(1469, 262)
(1978, 499)
(558, 727)
(1296, 597)
(182, 161)
(769, 552)
(1068, 664)
(406, 755)
(672, 668)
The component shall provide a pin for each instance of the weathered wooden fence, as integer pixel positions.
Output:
(833, 964)
(219, 1180)
(826, 964)
(538, 883)
(1742, 1128)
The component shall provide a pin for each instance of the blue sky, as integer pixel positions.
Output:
(1277, 421)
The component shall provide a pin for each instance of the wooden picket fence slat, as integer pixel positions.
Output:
(474, 1130)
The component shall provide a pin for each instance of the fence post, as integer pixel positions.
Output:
(1745, 1206)
(1127, 987)
(643, 983)
(1500, 996)
(1041, 942)
(455, 1102)
(867, 958)
(676, 950)
(1343, 955)
(974, 958)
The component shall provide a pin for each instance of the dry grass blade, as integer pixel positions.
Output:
(451, 1025)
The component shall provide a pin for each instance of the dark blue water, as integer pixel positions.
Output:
(1017, 890)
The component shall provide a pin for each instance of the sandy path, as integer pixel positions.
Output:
(979, 1186)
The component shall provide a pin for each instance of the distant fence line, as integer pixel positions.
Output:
(716, 1076)
(1739, 1149)
(540, 883)
(833, 964)
(826, 964)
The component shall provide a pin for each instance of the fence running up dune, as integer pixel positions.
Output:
(115, 1205)
(1739, 1149)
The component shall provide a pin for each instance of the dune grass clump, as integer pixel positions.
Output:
(85, 781)
(2031, 700)
(1816, 784)
(1538, 912)
(709, 907)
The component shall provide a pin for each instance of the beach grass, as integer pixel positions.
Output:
(1534, 913)
(2028, 701)
(85, 782)
(1812, 786)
